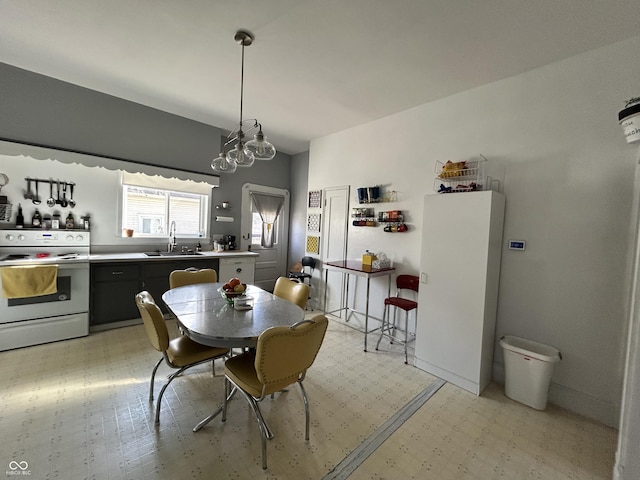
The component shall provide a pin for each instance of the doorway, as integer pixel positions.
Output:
(272, 259)
(335, 224)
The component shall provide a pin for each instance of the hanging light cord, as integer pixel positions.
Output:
(241, 89)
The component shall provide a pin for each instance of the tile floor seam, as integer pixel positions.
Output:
(352, 461)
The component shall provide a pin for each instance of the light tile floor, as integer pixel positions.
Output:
(79, 409)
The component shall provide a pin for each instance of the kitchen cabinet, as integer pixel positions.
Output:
(154, 276)
(241, 267)
(457, 301)
(113, 291)
(115, 285)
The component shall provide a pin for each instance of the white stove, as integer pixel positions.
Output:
(47, 318)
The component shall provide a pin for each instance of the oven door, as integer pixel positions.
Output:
(72, 297)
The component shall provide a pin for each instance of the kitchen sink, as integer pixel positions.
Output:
(169, 254)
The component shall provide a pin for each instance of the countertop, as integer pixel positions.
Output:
(137, 257)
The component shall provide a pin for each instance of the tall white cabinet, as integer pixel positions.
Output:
(459, 275)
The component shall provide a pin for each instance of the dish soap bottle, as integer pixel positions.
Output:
(36, 220)
(19, 218)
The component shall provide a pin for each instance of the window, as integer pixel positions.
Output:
(257, 227)
(150, 210)
(265, 216)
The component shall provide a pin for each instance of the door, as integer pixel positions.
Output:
(335, 224)
(271, 262)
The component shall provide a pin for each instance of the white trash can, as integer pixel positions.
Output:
(528, 369)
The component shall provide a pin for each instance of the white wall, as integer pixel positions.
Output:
(96, 193)
(568, 183)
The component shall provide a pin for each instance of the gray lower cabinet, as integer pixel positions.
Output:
(115, 285)
(113, 290)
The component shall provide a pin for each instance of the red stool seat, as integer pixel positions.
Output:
(403, 303)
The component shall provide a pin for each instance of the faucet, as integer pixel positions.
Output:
(172, 237)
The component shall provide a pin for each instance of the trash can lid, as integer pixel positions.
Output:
(530, 348)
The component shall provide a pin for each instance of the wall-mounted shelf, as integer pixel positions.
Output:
(375, 194)
(390, 216)
(456, 177)
(363, 217)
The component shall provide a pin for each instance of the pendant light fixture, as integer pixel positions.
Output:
(243, 154)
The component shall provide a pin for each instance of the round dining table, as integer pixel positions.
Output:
(207, 318)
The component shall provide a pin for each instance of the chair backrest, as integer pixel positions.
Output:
(409, 282)
(153, 320)
(190, 276)
(309, 262)
(284, 354)
(295, 292)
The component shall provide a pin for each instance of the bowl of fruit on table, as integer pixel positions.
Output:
(232, 289)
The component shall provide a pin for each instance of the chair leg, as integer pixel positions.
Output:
(226, 399)
(164, 387)
(406, 336)
(306, 411)
(395, 323)
(265, 432)
(153, 378)
(384, 321)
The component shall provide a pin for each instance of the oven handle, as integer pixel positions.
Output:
(72, 266)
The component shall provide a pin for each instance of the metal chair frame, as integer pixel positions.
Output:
(265, 431)
(403, 282)
(154, 322)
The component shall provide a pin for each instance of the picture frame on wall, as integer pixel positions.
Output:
(315, 198)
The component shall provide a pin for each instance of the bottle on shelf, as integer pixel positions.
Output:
(70, 223)
(19, 218)
(36, 220)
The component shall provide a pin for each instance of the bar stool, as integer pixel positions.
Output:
(403, 282)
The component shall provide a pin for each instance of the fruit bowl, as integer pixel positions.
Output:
(229, 295)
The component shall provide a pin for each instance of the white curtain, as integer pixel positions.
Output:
(268, 207)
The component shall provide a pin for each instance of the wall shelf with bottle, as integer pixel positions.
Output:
(375, 194)
(393, 220)
(363, 217)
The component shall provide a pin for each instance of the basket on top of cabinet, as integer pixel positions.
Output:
(454, 177)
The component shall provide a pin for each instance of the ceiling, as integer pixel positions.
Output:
(316, 66)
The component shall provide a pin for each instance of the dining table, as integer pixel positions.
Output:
(206, 317)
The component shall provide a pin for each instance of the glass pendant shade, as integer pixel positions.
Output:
(241, 156)
(261, 149)
(222, 164)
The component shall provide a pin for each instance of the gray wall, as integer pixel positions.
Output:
(273, 173)
(298, 215)
(40, 110)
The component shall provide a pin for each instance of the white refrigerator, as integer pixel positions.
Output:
(459, 276)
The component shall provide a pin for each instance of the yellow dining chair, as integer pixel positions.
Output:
(281, 358)
(179, 353)
(295, 292)
(190, 276)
